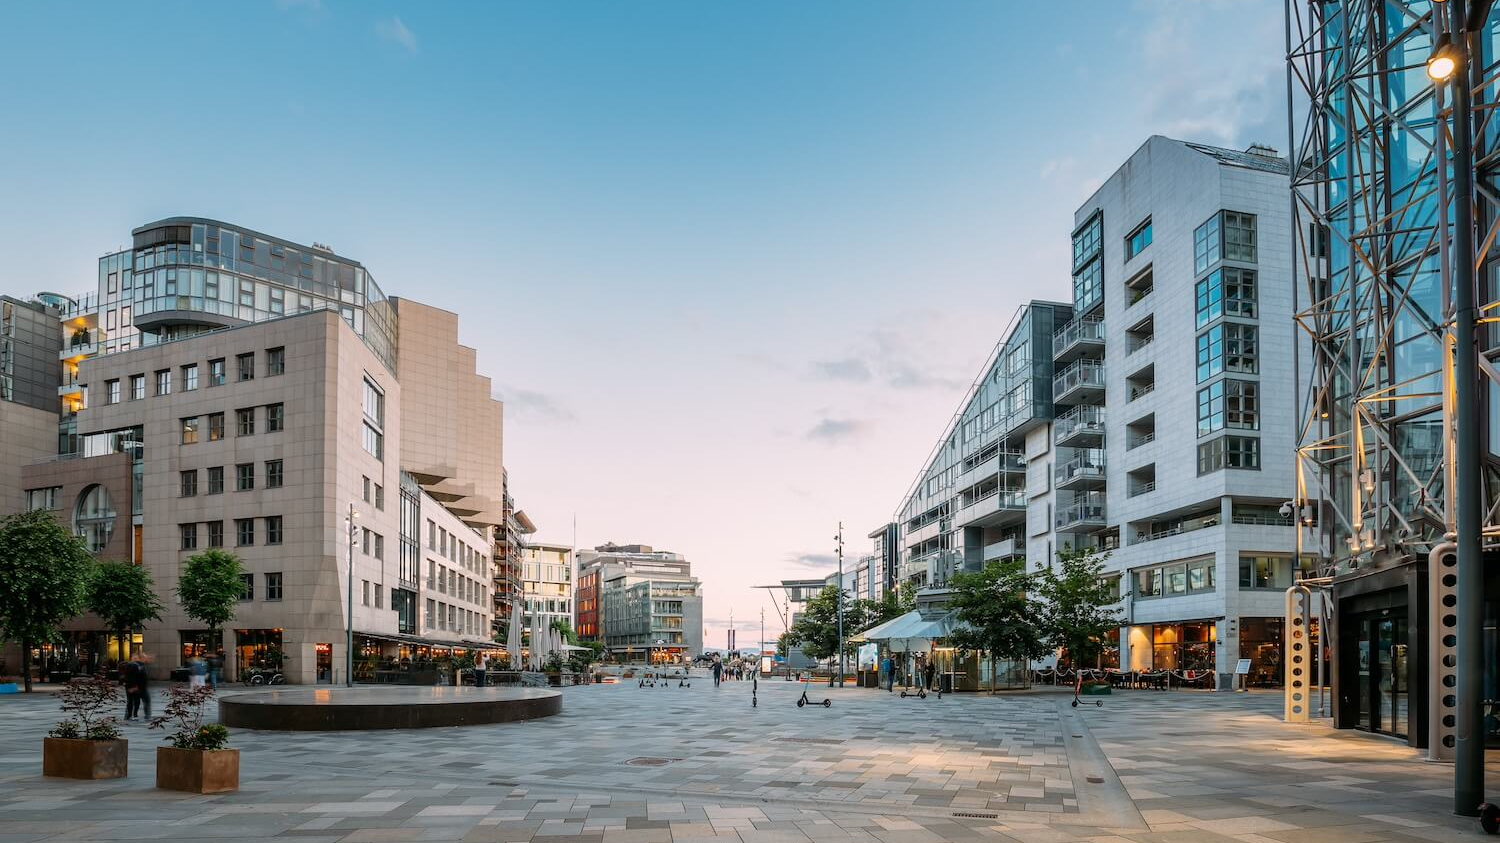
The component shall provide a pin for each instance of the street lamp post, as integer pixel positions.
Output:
(840, 538)
(1450, 62)
(349, 631)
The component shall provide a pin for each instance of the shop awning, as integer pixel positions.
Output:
(907, 632)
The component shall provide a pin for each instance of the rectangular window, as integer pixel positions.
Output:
(1268, 572)
(244, 477)
(215, 533)
(1238, 452)
(275, 362)
(189, 377)
(189, 535)
(374, 442)
(164, 382)
(216, 372)
(379, 596)
(112, 391)
(216, 480)
(1239, 237)
(431, 535)
(244, 532)
(379, 497)
(1211, 408)
(431, 612)
(247, 587)
(364, 592)
(1138, 239)
(379, 546)
(137, 387)
(187, 483)
(364, 545)
(273, 586)
(190, 430)
(245, 365)
(1227, 291)
(275, 417)
(244, 421)
(1200, 575)
(273, 529)
(274, 477)
(215, 427)
(1228, 347)
(1206, 245)
(1148, 583)
(43, 499)
(1241, 404)
(374, 403)
(365, 485)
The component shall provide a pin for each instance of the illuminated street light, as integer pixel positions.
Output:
(1443, 61)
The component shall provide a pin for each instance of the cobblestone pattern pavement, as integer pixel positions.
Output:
(667, 765)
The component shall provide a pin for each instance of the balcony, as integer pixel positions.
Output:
(1085, 513)
(1082, 382)
(1157, 530)
(1006, 549)
(1082, 472)
(1081, 427)
(1001, 506)
(1082, 336)
(80, 345)
(1003, 462)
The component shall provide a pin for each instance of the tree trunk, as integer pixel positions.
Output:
(26, 663)
(994, 677)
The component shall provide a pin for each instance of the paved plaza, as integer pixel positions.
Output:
(668, 765)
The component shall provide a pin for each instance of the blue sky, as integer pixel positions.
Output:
(731, 265)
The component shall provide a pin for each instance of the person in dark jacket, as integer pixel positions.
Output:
(931, 670)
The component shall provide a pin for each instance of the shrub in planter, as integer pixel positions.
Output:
(199, 759)
(87, 745)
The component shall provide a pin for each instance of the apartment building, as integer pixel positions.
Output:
(232, 389)
(649, 602)
(1136, 419)
(546, 586)
(30, 347)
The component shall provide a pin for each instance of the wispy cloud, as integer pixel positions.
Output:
(821, 561)
(831, 431)
(849, 369)
(392, 29)
(532, 404)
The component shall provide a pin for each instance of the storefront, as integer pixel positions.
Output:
(79, 653)
(258, 650)
(1182, 646)
(199, 643)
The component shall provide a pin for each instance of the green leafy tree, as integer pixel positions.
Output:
(1076, 594)
(209, 586)
(44, 577)
(783, 644)
(997, 613)
(120, 594)
(817, 628)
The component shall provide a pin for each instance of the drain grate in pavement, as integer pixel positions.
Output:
(649, 761)
(976, 815)
(833, 741)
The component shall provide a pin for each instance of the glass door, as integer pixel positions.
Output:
(1392, 688)
(1364, 703)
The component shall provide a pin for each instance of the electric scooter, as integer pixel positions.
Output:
(803, 700)
(1078, 689)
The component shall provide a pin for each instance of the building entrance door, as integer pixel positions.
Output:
(1382, 694)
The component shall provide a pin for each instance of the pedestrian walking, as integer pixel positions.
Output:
(718, 669)
(888, 668)
(197, 672)
(931, 671)
(481, 667)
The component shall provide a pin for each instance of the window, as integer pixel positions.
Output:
(379, 497)
(364, 545)
(244, 532)
(1228, 347)
(1200, 575)
(189, 377)
(273, 529)
(1273, 572)
(190, 430)
(374, 403)
(379, 599)
(164, 382)
(365, 592)
(1087, 240)
(137, 387)
(1206, 245)
(374, 442)
(187, 483)
(1088, 287)
(94, 517)
(366, 485)
(112, 391)
(431, 611)
(1227, 291)
(45, 499)
(274, 477)
(273, 586)
(431, 535)
(215, 427)
(275, 418)
(1239, 237)
(1138, 240)
(1228, 403)
(245, 365)
(379, 546)
(247, 587)
(275, 362)
(244, 422)
(216, 372)
(1148, 583)
(1239, 452)
(215, 533)
(244, 477)
(189, 536)
(216, 480)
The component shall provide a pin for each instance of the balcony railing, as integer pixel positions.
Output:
(1139, 392)
(1084, 419)
(1086, 511)
(1089, 466)
(1088, 329)
(1137, 441)
(1084, 373)
(1135, 344)
(1187, 525)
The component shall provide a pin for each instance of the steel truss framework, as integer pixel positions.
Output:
(1371, 138)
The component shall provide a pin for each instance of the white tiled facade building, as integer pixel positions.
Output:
(1150, 417)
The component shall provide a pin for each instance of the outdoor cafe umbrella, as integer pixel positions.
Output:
(513, 635)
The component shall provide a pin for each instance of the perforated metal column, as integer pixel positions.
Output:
(1442, 647)
(1298, 653)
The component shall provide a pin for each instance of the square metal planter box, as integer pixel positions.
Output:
(75, 758)
(1096, 691)
(197, 771)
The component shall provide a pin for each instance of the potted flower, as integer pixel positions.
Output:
(199, 759)
(87, 745)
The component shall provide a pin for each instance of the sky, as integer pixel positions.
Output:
(731, 266)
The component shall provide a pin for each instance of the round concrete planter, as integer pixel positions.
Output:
(75, 758)
(197, 770)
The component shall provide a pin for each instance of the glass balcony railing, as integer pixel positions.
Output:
(1086, 373)
(1079, 421)
(1084, 511)
(1090, 466)
(1087, 329)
